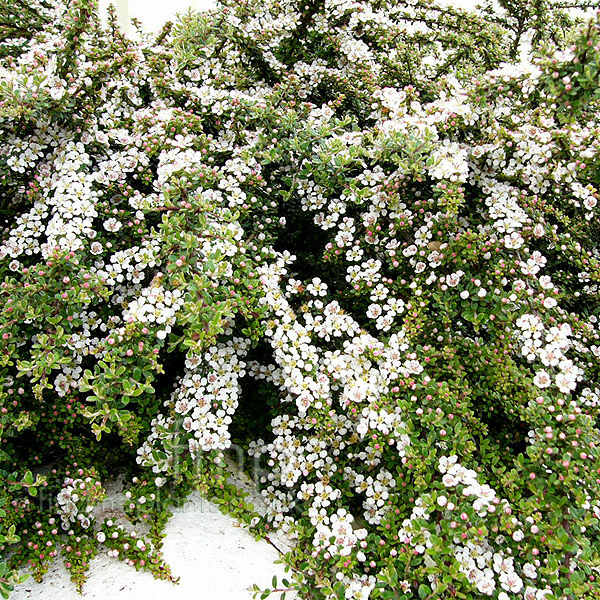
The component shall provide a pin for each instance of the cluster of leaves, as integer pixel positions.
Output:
(335, 232)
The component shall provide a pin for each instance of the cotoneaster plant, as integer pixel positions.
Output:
(339, 235)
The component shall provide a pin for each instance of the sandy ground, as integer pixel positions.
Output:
(214, 557)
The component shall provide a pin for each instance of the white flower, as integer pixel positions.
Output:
(486, 585)
(84, 521)
(101, 137)
(112, 225)
(511, 582)
(316, 287)
(374, 311)
(446, 462)
(96, 248)
(449, 480)
(566, 382)
(542, 379)
(518, 535)
(453, 279)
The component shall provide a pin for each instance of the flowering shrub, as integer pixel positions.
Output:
(341, 235)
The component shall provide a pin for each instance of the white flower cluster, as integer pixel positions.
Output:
(314, 380)
(24, 153)
(175, 160)
(70, 378)
(449, 162)
(358, 587)
(118, 164)
(157, 305)
(549, 346)
(506, 214)
(590, 397)
(335, 535)
(72, 504)
(207, 396)
(68, 199)
(129, 266)
(203, 403)
(376, 492)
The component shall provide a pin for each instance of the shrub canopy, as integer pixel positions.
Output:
(355, 239)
